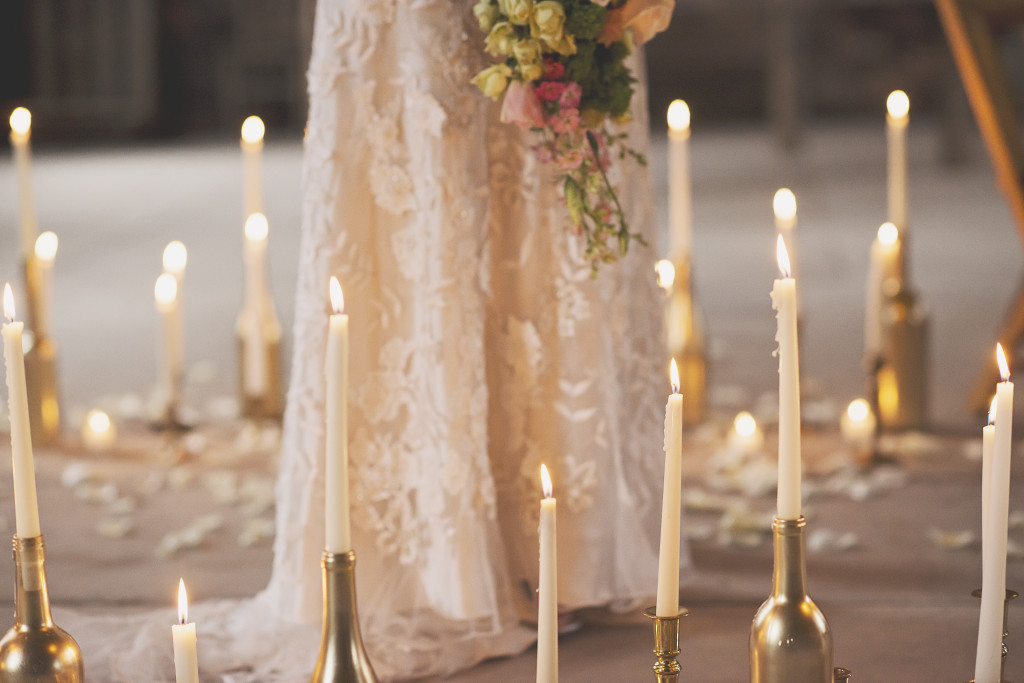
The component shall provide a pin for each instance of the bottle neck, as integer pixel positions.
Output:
(790, 575)
(31, 602)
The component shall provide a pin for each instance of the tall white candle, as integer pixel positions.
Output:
(252, 152)
(784, 208)
(988, 433)
(255, 258)
(885, 275)
(26, 509)
(46, 251)
(338, 527)
(897, 116)
(547, 586)
(165, 292)
(680, 205)
(668, 558)
(21, 134)
(186, 658)
(175, 259)
(993, 576)
(784, 302)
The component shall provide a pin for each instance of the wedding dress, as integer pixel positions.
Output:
(481, 347)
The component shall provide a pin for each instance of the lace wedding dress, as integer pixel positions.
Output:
(480, 348)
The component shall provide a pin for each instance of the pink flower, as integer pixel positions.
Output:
(570, 97)
(553, 70)
(521, 106)
(550, 90)
(566, 121)
(570, 159)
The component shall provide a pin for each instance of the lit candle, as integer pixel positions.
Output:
(666, 273)
(668, 558)
(784, 208)
(98, 432)
(166, 294)
(252, 151)
(175, 258)
(547, 586)
(784, 302)
(21, 134)
(186, 659)
(857, 424)
(745, 435)
(993, 576)
(988, 433)
(680, 207)
(46, 251)
(338, 528)
(255, 257)
(885, 276)
(897, 117)
(26, 509)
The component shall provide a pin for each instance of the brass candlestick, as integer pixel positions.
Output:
(36, 650)
(686, 343)
(342, 657)
(666, 645)
(790, 639)
(1010, 595)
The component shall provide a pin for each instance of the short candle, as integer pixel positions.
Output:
(186, 659)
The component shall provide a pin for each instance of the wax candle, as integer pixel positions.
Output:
(186, 659)
(338, 528)
(784, 302)
(165, 292)
(745, 436)
(175, 258)
(897, 117)
(547, 586)
(668, 559)
(666, 273)
(45, 251)
(26, 509)
(784, 208)
(857, 425)
(993, 575)
(680, 207)
(252, 152)
(988, 433)
(21, 133)
(885, 277)
(255, 259)
(98, 432)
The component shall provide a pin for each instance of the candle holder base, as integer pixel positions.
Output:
(666, 645)
(41, 387)
(342, 658)
(35, 650)
(267, 403)
(1010, 596)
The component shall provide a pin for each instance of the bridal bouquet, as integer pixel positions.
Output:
(563, 75)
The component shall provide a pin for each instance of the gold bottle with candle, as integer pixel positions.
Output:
(40, 365)
(790, 640)
(342, 656)
(686, 343)
(35, 650)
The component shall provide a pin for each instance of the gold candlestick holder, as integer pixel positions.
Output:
(686, 343)
(790, 640)
(35, 650)
(267, 403)
(1010, 595)
(40, 363)
(666, 645)
(901, 377)
(342, 656)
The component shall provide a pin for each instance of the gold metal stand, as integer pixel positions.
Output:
(40, 365)
(269, 404)
(1010, 595)
(666, 645)
(686, 344)
(342, 657)
(790, 639)
(36, 650)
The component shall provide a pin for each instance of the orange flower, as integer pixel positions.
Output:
(645, 18)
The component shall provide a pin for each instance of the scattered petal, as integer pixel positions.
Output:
(951, 540)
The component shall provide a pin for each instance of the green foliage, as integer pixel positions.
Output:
(584, 19)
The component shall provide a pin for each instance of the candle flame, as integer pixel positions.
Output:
(337, 296)
(21, 121)
(666, 274)
(897, 104)
(783, 258)
(1004, 368)
(858, 410)
(166, 289)
(182, 602)
(253, 129)
(545, 482)
(992, 411)
(8, 302)
(678, 115)
(784, 204)
(745, 424)
(175, 258)
(46, 246)
(673, 373)
(98, 421)
(256, 227)
(888, 233)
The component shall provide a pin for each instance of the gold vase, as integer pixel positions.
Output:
(686, 343)
(342, 656)
(35, 650)
(790, 640)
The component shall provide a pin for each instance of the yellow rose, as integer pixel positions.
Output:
(517, 11)
(493, 80)
(528, 54)
(499, 41)
(487, 13)
(547, 23)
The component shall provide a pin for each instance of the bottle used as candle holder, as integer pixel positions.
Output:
(790, 640)
(40, 363)
(35, 650)
(902, 372)
(686, 344)
(342, 658)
